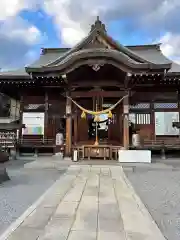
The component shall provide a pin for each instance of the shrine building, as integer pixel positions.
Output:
(66, 87)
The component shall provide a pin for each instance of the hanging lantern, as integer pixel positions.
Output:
(83, 115)
(96, 118)
(110, 114)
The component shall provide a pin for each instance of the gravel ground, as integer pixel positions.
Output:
(159, 189)
(24, 188)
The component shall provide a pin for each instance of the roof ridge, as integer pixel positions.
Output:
(88, 39)
(127, 50)
(75, 48)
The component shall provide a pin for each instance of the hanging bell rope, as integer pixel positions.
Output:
(108, 110)
(110, 114)
(96, 118)
(83, 115)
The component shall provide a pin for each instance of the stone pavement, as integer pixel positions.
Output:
(88, 202)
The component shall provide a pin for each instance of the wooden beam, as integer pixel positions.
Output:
(90, 94)
(100, 83)
(140, 96)
(54, 86)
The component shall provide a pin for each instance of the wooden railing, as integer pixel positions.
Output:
(36, 142)
(9, 142)
(166, 143)
(173, 143)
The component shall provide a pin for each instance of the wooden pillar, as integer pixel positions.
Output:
(75, 127)
(126, 123)
(68, 127)
(21, 116)
(121, 123)
(46, 116)
(178, 101)
(153, 135)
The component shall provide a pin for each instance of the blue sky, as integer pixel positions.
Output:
(121, 31)
(26, 26)
(45, 24)
(117, 29)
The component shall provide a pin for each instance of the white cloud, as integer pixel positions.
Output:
(71, 35)
(171, 46)
(17, 28)
(17, 38)
(72, 17)
(10, 8)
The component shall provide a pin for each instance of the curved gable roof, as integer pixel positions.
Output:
(97, 30)
(142, 54)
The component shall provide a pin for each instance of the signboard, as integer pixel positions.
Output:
(59, 139)
(163, 123)
(34, 123)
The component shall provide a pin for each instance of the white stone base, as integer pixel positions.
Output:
(75, 156)
(134, 156)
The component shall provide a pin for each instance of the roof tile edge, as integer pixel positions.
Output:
(145, 46)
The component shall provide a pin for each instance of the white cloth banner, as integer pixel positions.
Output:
(59, 139)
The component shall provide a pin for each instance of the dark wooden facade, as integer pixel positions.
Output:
(96, 68)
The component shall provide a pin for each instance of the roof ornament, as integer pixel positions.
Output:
(98, 25)
(96, 67)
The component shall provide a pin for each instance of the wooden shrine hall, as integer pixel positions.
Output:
(97, 93)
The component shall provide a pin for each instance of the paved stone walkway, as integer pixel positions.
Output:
(25, 187)
(159, 189)
(92, 203)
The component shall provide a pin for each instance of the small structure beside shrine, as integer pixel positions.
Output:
(9, 124)
(94, 93)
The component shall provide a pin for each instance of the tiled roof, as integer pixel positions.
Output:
(20, 73)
